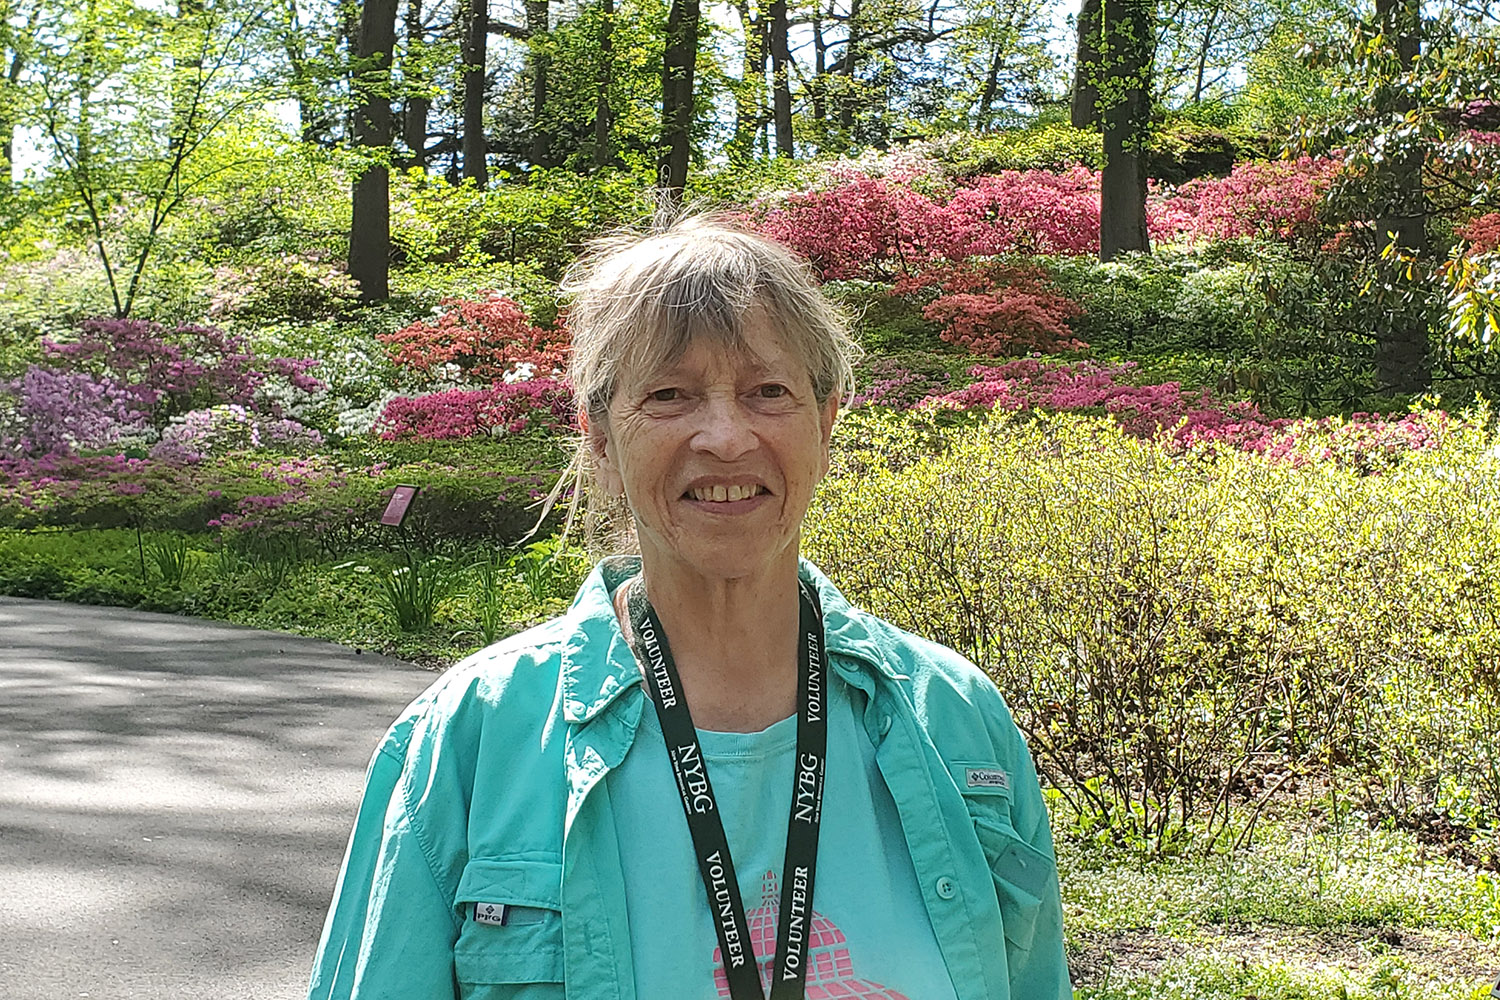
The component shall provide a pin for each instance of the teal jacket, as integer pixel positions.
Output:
(489, 789)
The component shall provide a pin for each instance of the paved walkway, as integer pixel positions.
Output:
(174, 800)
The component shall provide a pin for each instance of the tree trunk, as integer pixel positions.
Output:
(1208, 36)
(820, 70)
(991, 87)
(537, 26)
(418, 104)
(1112, 89)
(370, 227)
(851, 61)
(781, 87)
(750, 95)
(476, 28)
(678, 63)
(1087, 66)
(1401, 355)
(603, 117)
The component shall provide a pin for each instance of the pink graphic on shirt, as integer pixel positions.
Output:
(830, 970)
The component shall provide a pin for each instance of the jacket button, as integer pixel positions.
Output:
(885, 724)
(945, 888)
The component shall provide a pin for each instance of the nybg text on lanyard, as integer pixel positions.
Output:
(789, 973)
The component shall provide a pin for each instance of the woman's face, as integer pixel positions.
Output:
(718, 455)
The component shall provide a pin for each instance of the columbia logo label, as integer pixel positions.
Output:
(489, 913)
(987, 777)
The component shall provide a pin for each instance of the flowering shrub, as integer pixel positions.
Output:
(295, 287)
(893, 385)
(168, 372)
(998, 309)
(1257, 198)
(61, 412)
(459, 413)
(485, 340)
(220, 430)
(877, 228)
(1482, 234)
(1029, 211)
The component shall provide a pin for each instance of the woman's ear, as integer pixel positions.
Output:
(602, 451)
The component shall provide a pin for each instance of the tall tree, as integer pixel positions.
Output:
(415, 77)
(603, 116)
(537, 26)
(678, 63)
(476, 26)
(18, 24)
(130, 107)
(370, 224)
(781, 84)
(1401, 360)
(1112, 91)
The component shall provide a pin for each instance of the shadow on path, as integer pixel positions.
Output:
(174, 799)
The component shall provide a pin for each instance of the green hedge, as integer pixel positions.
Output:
(1182, 635)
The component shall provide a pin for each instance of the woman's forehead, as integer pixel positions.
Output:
(758, 346)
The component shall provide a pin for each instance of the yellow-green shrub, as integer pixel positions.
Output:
(1183, 634)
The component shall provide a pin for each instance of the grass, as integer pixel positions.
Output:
(1309, 912)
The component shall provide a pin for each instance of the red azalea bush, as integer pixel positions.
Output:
(485, 340)
(1257, 198)
(459, 413)
(998, 309)
(1482, 234)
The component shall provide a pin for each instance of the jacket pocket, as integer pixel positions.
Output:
(511, 946)
(1023, 875)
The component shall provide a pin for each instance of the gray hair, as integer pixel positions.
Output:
(640, 299)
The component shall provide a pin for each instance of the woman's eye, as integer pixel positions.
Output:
(773, 390)
(664, 395)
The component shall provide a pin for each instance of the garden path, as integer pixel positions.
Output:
(175, 796)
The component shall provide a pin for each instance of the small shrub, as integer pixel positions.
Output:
(489, 340)
(1000, 310)
(460, 413)
(411, 592)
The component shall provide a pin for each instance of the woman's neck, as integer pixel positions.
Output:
(734, 643)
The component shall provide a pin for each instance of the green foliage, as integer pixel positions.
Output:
(1166, 627)
(411, 592)
(169, 554)
(1167, 302)
(1051, 146)
(549, 569)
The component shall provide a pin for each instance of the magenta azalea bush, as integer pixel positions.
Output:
(506, 408)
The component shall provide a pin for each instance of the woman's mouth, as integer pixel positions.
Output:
(725, 494)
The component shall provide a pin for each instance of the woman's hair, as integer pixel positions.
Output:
(639, 299)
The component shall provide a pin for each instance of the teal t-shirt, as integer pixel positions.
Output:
(871, 937)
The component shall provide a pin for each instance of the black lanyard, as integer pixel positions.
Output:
(702, 810)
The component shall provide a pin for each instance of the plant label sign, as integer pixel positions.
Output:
(395, 511)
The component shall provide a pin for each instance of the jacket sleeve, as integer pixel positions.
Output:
(390, 929)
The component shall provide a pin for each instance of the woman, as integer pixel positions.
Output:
(623, 802)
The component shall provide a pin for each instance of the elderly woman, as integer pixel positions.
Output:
(712, 777)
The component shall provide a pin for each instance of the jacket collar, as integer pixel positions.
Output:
(598, 666)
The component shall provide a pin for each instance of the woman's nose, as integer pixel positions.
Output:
(724, 430)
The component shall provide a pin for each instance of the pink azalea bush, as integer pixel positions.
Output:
(1482, 234)
(459, 413)
(171, 371)
(1258, 198)
(1189, 418)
